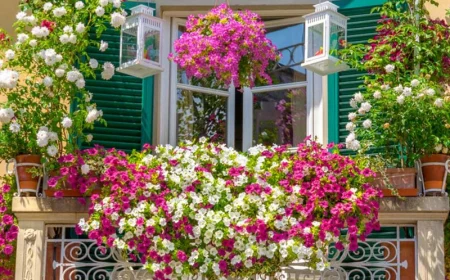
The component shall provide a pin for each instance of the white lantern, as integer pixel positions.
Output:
(140, 43)
(326, 34)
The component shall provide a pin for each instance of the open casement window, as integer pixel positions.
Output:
(126, 101)
(241, 118)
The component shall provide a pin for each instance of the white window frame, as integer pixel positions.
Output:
(164, 125)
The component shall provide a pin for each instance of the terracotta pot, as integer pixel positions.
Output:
(26, 180)
(433, 176)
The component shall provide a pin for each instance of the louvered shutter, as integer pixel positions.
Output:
(343, 85)
(126, 101)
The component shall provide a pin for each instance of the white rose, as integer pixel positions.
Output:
(99, 11)
(350, 126)
(352, 116)
(33, 43)
(59, 72)
(385, 87)
(21, 15)
(6, 114)
(407, 91)
(377, 94)
(80, 28)
(22, 37)
(59, 12)
(117, 3)
(79, 5)
(47, 6)
(88, 97)
(353, 103)
(66, 122)
(68, 29)
(9, 54)
(117, 19)
(398, 89)
(439, 102)
(389, 68)
(64, 39)
(359, 97)
(52, 150)
(103, 46)
(73, 38)
(8, 79)
(103, 3)
(14, 127)
(430, 92)
(89, 138)
(93, 63)
(81, 83)
(367, 124)
(48, 81)
(415, 83)
(400, 99)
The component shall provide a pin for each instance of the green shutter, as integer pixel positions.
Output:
(126, 101)
(343, 85)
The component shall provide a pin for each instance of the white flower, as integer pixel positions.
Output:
(93, 63)
(108, 71)
(407, 91)
(103, 3)
(9, 54)
(377, 94)
(58, 58)
(49, 55)
(21, 15)
(52, 150)
(99, 11)
(117, 19)
(103, 46)
(52, 136)
(389, 68)
(430, 92)
(85, 168)
(59, 72)
(6, 114)
(400, 99)
(66, 122)
(33, 43)
(439, 102)
(445, 150)
(80, 28)
(81, 83)
(350, 126)
(73, 38)
(117, 3)
(22, 37)
(365, 107)
(42, 138)
(30, 19)
(359, 97)
(47, 6)
(438, 148)
(353, 103)
(89, 138)
(64, 39)
(385, 87)
(398, 89)
(8, 79)
(79, 5)
(352, 116)
(48, 81)
(68, 29)
(74, 75)
(415, 83)
(59, 12)
(14, 127)
(353, 145)
(367, 123)
(40, 32)
(93, 115)
(88, 97)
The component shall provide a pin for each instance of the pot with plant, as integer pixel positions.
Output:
(42, 73)
(405, 107)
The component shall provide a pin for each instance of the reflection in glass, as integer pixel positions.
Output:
(290, 43)
(201, 115)
(280, 117)
(316, 44)
(337, 39)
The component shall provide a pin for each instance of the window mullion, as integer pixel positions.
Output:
(247, 119)
(231, 116)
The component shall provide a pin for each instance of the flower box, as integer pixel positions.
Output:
(401, 179)
(69, 193)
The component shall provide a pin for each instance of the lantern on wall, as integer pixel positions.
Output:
(140, 43)
(326, 34)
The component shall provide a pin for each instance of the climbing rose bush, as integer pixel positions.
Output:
(207, 209)
(225, 47)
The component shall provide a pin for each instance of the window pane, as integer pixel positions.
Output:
(181, 74)
(201, 115)
(279, 117)
(290, 43)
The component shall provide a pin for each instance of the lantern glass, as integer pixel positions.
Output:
(316, 40)
(129, 45)
(151, 46)
(337, 39)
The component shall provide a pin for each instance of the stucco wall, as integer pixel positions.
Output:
(439, 11)
(8, 13)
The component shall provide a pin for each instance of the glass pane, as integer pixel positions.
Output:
(201, 115)
(290, 43)
(279, 117)
(315, 46)
(129, 45)
(151, 50)
(337, 39)
(181, 74)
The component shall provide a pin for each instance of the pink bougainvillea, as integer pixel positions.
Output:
(207, 209)
(226, 47)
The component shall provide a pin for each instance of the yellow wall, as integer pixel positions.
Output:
(439, 11)
(8, 11)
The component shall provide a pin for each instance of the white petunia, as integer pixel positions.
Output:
(367, 124)
(93, 63)
(352, 116)
(389, 68)
(117, 19)
(400, 99)
(103, 46)
(85, 168)
(359, 97)
(377, 94)
(6, 114)
(415, 83)
(99, 11)
(33, 43)
(8, 79)
(47, 6)
(59, 12)
(350, 126)
(79, 5)
(52, 150)
(80, 28)
(66, 122)
(10, 54)
(14, 127)
(439, 102)
(22, 37)
(48, 81)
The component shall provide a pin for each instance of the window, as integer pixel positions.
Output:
(277, 113)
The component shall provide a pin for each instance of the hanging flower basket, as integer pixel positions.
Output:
(225, 47)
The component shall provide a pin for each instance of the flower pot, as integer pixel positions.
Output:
(402, 179)
(433, 175)
(25, 177)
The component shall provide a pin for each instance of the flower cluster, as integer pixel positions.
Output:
(8, 234)
(227, 47)
(46, 69)
(207, 209)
